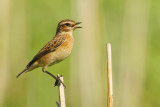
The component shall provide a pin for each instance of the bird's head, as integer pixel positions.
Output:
(67, 25)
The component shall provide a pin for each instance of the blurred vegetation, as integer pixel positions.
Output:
(131, 26)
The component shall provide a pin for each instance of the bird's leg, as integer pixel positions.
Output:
(56, 78)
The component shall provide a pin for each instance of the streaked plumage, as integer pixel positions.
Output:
(56, 49)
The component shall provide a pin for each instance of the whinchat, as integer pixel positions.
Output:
(56, 49)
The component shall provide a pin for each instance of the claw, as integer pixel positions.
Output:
(58, 81)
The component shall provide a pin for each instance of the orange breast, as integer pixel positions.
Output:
(59, 54)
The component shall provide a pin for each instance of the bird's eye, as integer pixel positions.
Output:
(67, 24)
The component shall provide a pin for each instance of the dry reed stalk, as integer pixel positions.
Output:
(109, 72)
(61, 93)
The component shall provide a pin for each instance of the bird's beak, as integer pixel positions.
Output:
(77, 24)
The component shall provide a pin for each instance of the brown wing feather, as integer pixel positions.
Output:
(49, 47)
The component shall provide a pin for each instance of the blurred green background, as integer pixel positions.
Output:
(131, 26)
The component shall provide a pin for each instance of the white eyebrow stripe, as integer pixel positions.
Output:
(64, 23)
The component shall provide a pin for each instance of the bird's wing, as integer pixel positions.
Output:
(49, 47)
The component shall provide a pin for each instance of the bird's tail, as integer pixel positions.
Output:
(22, 72)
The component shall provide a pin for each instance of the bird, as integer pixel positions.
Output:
(56, 50)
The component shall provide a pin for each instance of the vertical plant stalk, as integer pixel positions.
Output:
(4, 47)
(87, 59)
(133, 52)
(109, 72)
(61, 93)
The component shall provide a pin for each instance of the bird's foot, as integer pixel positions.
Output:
(58, 81)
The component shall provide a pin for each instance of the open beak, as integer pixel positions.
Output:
(77, 24)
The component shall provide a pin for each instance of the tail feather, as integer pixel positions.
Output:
(22, 72)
